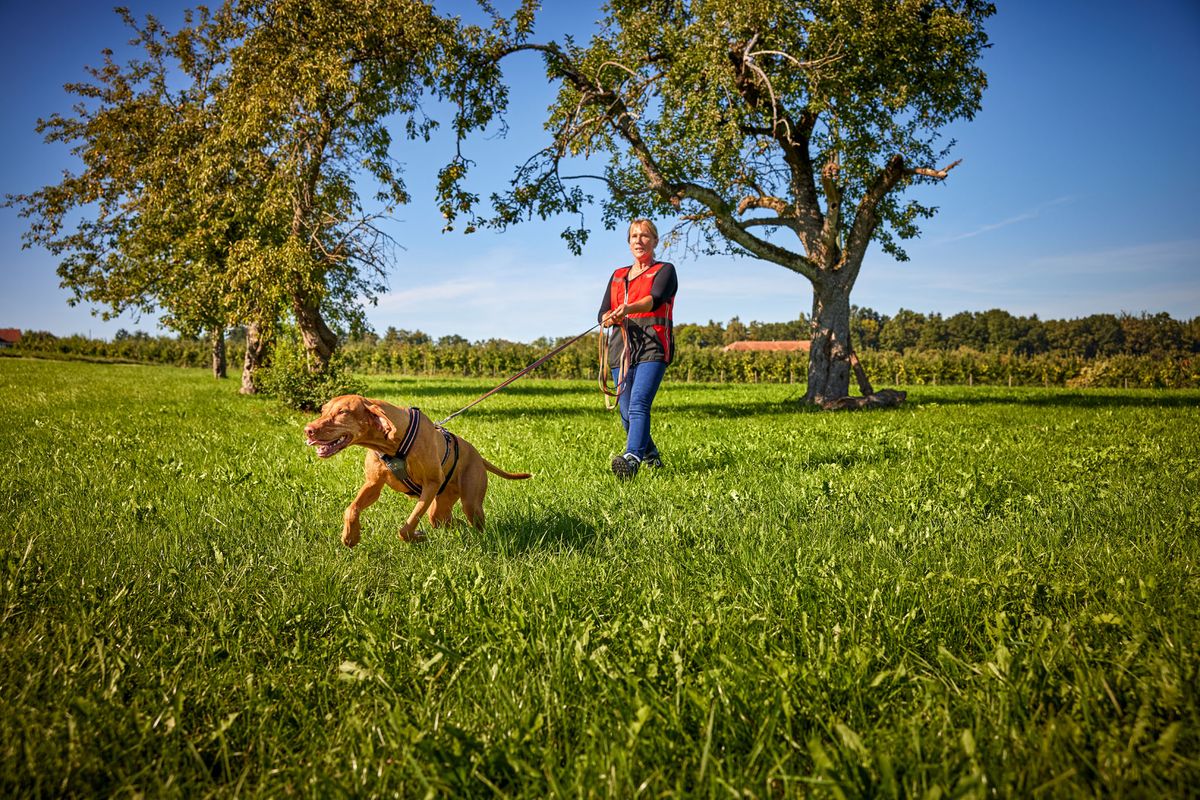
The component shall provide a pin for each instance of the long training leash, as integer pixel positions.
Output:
(602, 357)
(532, 367)
(622, 374)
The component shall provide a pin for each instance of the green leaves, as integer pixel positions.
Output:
(706, 111)
(220, 167)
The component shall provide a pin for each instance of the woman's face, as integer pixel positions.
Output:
(641, 243)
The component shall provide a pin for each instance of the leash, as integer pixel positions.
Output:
(525, 371)
(602, 355)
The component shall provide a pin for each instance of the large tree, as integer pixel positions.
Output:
(127, 226)
(311, 97)
(784, 130)
(221, 165)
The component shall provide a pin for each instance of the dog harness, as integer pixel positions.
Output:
(398, 464)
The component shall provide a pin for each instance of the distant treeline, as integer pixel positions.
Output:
(995, 331)
(991, 347)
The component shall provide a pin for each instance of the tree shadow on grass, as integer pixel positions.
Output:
(1091, 398)
(736, 410)
(402, 387)
(662, 411)
(706, 462)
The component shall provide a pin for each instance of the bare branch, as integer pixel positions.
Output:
(773, 203)
(792, 137)
(587, 177)
(815, 63)
(866, 216)
(775, 109)
(755, 185)
(769, 222)
(615, 64)
(935, 173)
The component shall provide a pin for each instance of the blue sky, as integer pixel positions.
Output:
(1074, 197)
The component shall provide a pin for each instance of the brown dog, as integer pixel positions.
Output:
(408, 453)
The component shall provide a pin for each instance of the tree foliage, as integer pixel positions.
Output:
(126, 226)
(222, 165)
(313, 92)
(777, 129)
(763, 116)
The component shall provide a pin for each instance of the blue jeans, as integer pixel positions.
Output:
(641, 384)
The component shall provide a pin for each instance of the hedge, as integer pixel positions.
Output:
(1171, 370)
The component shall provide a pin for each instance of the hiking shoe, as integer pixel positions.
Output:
(625, 467)
(653, 461)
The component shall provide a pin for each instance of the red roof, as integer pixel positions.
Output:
(775, 346)
(10, 335)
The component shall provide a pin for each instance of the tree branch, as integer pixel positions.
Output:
(833, 209)
(792, 136)
(772, 203)
(940, 174)
(622, 121)
(866, 216)
(773, 222)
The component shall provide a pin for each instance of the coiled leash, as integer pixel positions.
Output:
(623, 372)
(526, 371)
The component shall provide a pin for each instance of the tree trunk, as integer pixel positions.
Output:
(258, 351)
(216, 338)
(829, 352)
(319, 340)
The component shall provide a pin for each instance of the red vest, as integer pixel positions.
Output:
(657, 320)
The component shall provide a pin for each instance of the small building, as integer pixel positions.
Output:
(777, 346)
(9, 336)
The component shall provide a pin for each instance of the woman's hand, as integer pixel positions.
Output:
(616, 316)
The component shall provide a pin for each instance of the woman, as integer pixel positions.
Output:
(639, 298)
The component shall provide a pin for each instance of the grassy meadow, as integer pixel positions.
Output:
(988, 592)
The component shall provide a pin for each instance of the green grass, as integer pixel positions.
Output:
(986, 592)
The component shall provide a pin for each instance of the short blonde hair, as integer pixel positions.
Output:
(642, 222)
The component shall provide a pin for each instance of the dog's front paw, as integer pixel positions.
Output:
(415, 537)
(350, 538)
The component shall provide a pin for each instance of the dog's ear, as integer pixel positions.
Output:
(380, 418)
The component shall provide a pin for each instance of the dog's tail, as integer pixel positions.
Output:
(512, 476)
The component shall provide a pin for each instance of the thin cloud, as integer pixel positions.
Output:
(497, 294)
(1152, 277)
(422, 296)
(1022, 217)
(1183, 254)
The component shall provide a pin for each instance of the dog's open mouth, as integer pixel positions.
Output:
(326, 449)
